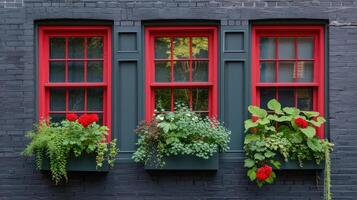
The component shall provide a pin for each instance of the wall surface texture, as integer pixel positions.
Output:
(18, 21)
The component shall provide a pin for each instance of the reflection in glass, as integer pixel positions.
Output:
(95, 99)
(95, 71)
(182, 96)
(286, 71)
(286, 97)
(57, 72)
(266, 94)
(75, 71)
(94, 47)
(162, 71)
(305, 48)
(267, 72)
(200, 99)
(305, 71)
(181, 48)
(162, 48)
(304, 99)
(75, 47)
(200, 47)
(286, 48)
(57, 47)
(200, 71)
(181, 71)
(163, 100)
(76, 99)
(57, 99)
(267, 48)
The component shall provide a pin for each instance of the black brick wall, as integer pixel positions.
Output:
(19, 180)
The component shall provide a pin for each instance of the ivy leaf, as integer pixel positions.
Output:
(310, 114)
(314, 144)
(256, 111)
(259, 156)
(249, 124)
(249, 163)
(275, 106)
(291, 111)
(310, 132)
(269, 154)
(250, 138)
(252, 174)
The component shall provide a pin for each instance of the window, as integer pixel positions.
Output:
(288, 64)
(181, 67)
(74, 72)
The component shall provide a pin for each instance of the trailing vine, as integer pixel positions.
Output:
(327, 181)
(73, 136)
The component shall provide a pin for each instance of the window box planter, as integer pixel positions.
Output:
(187, 162)
(84, 163)
(308, 165)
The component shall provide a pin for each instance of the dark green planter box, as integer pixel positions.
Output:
(308, 165)
(83, 163)
(187, 162)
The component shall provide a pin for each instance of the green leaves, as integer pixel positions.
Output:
(259, 156)
(275, 106)
(309, 132)
(251, 138)
(310, 114)
(291, 111)
(314, 144)
(252, 174)
(249, 124)
(249, 163)
(258, 112)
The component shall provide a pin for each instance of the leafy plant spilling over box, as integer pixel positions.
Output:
(182, 132)
(279, 135)
(58, 141)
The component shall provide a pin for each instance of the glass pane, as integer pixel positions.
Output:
(57, 47)
(57, 118)
(57, 71)
(266, 94)
(163, 100)
(95, 99)
(200, 47)
(305, 71)
(95, 47)
(162, 48)
(200, 71)
(286, 97)
(286, 71)
(75, 47)
(286, 48)
(181, 71)
(76, 71)
(267, 72)
(76, 99)
(304, 99)
(57, 99)
(181, 48)
(267, 48)
(200, 99)
(162, 71)
(100, 116)
(182, 96)
(306, 48)
(95, 71)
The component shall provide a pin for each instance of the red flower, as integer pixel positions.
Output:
(302, 123)
(86, 120)
(263, 173)
(71, 117)
(254, 118)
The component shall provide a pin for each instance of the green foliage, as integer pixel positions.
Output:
(58, 141)
(182, 132)
(273, 137)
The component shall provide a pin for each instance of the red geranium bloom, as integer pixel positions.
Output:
(302, 123)
(71, 117)
(93, 118)
(263, 173)
(86, 120)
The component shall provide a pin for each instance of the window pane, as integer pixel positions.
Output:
(200, 47)
(76, 71)
(57, 118)
(266, 94)
(200, 71)
(286, 71)
(200, 99)
(76, 99)
(95, 71)
(304, 99)
(182, 96)
(57, 72)
(267, 72)
(100, 117)
(75, 47)
(181, 71)
(305, 71)
(95, 99)
(286, 48)
(306, 48)
(57, 99)
(162, 48)
(267, 48)
(286, 97)
(95, 47)
(181, 47)
(57, 47)
(163, 99)
(162, 71)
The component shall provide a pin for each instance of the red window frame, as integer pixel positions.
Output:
(182, 31)
(44, 85)
(315, 31)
